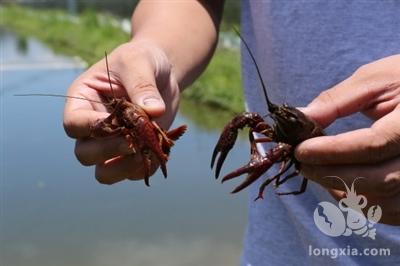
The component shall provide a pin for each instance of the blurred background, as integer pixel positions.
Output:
(52, 210)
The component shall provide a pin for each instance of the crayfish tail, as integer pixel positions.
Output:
(171, 136)
(176, 133)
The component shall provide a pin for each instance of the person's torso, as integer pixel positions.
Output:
(303, 48)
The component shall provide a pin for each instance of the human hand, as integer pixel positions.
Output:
(372, 153)
(139, 71)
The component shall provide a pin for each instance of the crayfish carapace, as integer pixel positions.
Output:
(290, 127)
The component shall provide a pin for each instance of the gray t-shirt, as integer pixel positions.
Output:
(304, 47)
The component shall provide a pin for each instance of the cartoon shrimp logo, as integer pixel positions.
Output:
(347, 218)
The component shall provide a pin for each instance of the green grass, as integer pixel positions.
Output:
(89, 34)
(220, 84)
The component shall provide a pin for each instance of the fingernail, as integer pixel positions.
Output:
(151, 101)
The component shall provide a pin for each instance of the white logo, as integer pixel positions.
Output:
(347, 217)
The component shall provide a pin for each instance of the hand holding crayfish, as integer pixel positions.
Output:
(141, 73)
(290, 127)
(372, 153)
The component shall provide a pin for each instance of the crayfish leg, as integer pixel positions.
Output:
(286, 178)
(162, 133)
(300, 191)
(101, 128)
(131, 144)
(263, 139)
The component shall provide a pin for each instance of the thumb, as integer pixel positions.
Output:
(342, 100)
(142, 89)
(370, 89)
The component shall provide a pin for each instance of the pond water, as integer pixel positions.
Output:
(53, 211)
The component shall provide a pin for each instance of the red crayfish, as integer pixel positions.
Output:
(131, 121)
(291, 127)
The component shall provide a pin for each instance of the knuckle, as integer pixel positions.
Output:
(142, 83)
(391, 216)
(379, 146)
(390, 185)
(68, 125)
(362, 70)
(104, 180)
(375, 148)
(81, 156)
(325, 96)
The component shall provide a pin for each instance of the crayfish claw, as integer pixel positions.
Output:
(224, 145)
(242, 170)
(255, 168)
(164, 169)
(230, 132)
(248, 181)
(221, 159)
(146, 165)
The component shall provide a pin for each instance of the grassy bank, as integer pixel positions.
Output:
(89, 34)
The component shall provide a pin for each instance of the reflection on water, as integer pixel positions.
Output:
(22, 45)
(53, 212)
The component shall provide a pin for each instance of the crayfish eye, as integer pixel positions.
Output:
(292, 117)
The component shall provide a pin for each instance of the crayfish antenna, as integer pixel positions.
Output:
(271, 107)
(108, 74)
(60, 96)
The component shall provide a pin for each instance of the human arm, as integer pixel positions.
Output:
(372, 153)
(172, 43)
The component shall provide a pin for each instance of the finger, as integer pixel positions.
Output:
(382, 180)
(141, 87)
(121, 168)
(389, 205)
(369, 145)
(361, 91)
(78, 123)
(390, 208)
(80, 114)
(94, 151)
(339, 101)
